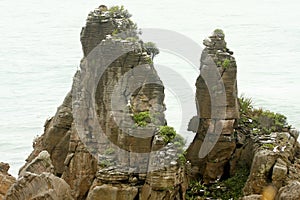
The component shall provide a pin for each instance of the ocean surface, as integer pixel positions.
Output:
(40, 52)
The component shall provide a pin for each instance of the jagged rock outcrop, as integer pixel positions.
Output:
(289, 192)
(261, 143)
(116, 82)
(274, 162)
(6, 180)
(106, 141)
(56, 137)
(41, 163)
(44, 186)
(218, 110)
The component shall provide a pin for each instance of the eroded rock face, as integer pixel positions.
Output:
(218, 109)
(252, 197)
(289, 192)
(44, 186)
(6, 180)
(41, 163)
(56, 137)
(274, 162)
(79, 167)
(81, 163)
(109, 192)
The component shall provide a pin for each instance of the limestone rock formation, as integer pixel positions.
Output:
(252, 197)
(41, 163)
(43, 186)
(274, 161)
(289, 192)
(93, 146)
(6, 180)
(218, 110)
(260, 143)
(105, 140)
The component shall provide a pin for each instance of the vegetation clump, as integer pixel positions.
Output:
(259, 121)
(151, 49)
(226, 63)
(125, 29)
(168, 133)
(142, 118)
(109, 151)
(268, 146)
(124, 26)
(230, 188)
(218, 31)
(105, 163)
(119, 12)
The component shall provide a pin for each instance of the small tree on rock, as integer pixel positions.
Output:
(151, 49)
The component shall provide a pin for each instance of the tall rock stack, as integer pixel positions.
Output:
(218, 110)
(116, 81)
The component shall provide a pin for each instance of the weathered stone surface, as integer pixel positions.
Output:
(80, 167)
(279, 173)
(110, 192)
(37, 187)
(289, 192)
(252, 197)
(6, 180)
(217, 107)
(262, 164)
(218, 78)
(75, 152)
(55, 139)
(41, 163)
(277, 165)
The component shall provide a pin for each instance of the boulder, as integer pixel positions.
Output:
(289, 192)
(110, 192)
(6, 180)
(37, 187)
(41, 163)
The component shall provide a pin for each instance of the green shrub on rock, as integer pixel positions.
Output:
(119, 12)
(151, 49)
(142, 118)
(259, 121)
(230, 188)
(109, 151)
(218, 31)
(226, 63)
(168, 133)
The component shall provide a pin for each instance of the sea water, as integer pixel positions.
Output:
(40, 52)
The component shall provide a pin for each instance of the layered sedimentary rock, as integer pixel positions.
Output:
(272, 158)
(218, 110)
(96, 149)
(274, 162)
(289, 192)
(43, 186)
(41, 163)
(6, 180)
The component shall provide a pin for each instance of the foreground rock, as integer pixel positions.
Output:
(6, 180)
(274, 162)
(289, 192)
(43, 186)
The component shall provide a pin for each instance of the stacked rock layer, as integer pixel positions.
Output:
(218, 110)
(122, 161)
